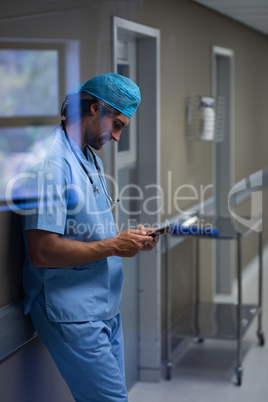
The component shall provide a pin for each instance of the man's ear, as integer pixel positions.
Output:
(94, 108)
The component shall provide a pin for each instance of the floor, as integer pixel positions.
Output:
(205, 372)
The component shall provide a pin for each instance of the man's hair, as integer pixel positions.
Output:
(78, 105)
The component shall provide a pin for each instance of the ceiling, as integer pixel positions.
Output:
(253, 13)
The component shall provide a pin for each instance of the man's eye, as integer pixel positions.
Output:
(117, 124)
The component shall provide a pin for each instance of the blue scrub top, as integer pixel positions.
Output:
(68, 206)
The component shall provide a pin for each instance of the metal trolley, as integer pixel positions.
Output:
(227, 321)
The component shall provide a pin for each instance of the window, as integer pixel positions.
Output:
(126, 62)
(124, 143)
(28, 82)
(31, 89)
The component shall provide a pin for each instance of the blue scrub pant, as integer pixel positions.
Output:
(89, 355)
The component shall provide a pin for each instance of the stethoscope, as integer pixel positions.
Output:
(94, 186)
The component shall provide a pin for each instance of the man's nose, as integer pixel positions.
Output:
(116, 136)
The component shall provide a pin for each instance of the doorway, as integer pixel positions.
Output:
(128, 217)
(137, 171)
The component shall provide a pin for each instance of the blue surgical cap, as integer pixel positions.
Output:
(118, 91)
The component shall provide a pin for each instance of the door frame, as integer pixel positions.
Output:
(149, 173)
(223, 165)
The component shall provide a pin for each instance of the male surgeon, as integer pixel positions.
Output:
(73, 271)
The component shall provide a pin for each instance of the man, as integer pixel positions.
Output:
(72, 272)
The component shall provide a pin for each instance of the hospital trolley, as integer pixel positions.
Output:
(227, 321)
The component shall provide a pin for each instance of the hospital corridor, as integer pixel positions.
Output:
(133, 201)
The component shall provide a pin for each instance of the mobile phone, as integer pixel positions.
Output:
(163, 229)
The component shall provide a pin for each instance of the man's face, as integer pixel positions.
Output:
(99, 129)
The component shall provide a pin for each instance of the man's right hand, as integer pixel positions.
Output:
(130, 242)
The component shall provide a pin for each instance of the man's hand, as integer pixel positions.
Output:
(131, 241)
(148, 246)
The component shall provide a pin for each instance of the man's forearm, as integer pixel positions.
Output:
(54, 251)
(47, 249)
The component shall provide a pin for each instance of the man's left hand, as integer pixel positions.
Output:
(149, 246)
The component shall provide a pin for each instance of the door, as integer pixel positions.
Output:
(222, 68)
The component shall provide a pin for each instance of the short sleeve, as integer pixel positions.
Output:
(50, 182)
